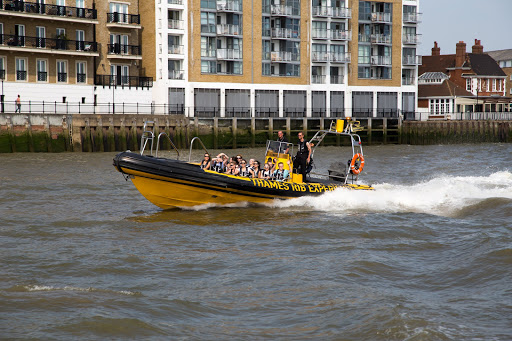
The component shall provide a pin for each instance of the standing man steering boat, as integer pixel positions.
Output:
(303, 156)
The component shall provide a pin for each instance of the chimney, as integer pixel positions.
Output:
(478, 48)
(436, 50)
(460, 54)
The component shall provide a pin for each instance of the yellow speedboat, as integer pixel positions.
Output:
(171, 183)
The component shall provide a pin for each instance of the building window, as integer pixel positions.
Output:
(363, 72)
(118, 13)
(364, 54)
(62, 71)
(208, 66)
(42, 74)
(21, 69)
(80, 38)
(265, 69)
(2, 68)
(208, 22)
(81, 76)
(468, 84)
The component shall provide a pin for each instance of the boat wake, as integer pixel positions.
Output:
(443, 196)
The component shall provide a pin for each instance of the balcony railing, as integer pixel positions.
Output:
(48, 43)
(381, 17)
(2, 74)
(411, 18)
(408, 80)
(318, 79)
(42, 76)
(176, 74)
(229, 6)
(320, 57)
(122, 49)
(340, 35)
(48, 9)
(174, 24)
(381, 60)
(340, 57)
(284, 57)
(412, 60)
(322, 11)
(229, 30)
(81, 78)
(135, 81)
(21, 75)
(281, 10)
(320, 33)
(123, 18)
(364, 38)
(176, 49)
(175, 2)
(380, 39)
(62, 77)
(410, 39)
(341, 12)
(337, 79)
(284, 33)
(229, 54)
(208, 53)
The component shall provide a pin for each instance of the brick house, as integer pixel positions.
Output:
(475, 78)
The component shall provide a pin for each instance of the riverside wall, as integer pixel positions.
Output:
(115, 132)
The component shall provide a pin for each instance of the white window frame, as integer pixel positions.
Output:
(57, 70)
(25, 64)
(468, 84)
(85, 71)
(45, 70)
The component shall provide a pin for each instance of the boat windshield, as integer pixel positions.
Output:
(279, 147)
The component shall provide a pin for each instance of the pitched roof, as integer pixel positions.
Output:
(484, 65)
(446, 89)
(481, 64)
(433, 75)
(500, 55)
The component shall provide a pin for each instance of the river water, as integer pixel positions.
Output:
(426, 256)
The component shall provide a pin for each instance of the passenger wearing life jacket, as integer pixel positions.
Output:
(206, 163)
(219, 163)
(281, 174)
(243, 170)
(255, 171)
(266, 173)
(232, 169)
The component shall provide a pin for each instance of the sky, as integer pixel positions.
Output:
(448, 21)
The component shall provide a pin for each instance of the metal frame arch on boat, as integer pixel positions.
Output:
(353, 163)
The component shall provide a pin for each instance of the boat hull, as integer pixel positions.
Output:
(171, 183)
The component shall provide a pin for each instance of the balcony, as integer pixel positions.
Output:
(411, 18)
(122, 19)
(229, 30)
(173, 24)
(130, 81)
(21, 75)
(62, 77)
(284, 33)
(124, 51)
(340, 35)
(322, 11)
(320, 57)
(380, 60)
(175, 2)
(340, 57)
(318, 79)
(81, 77)
(176, 74)
(341, 12)
(229, 54)
(364, 38)
(380, 17)
(412, 60)
(229, 6)
(337, 79)
(176, 49)
(281, 10)
(410, 39)
(284, 57)
(47, 11)
(318, 33)
(48, 45)
(381, 39)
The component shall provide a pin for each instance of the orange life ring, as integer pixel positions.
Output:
(353, 164)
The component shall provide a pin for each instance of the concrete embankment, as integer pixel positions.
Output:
(108, 133)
